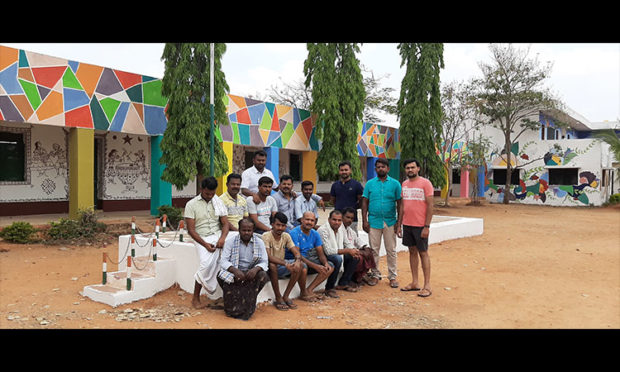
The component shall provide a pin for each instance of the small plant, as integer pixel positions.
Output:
(18, 232)
(85, 226)
(614, 199)
(174, 215)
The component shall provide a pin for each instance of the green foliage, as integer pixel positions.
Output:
(419, 107)
(338, 93)
(174, 215)
(85, 226)
(614, 199)
(18, 232)
(610, 137)
(186, 83)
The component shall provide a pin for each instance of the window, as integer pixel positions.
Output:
(295, 166)
(563, 176)
(499, 176)
(12, 157)
(456, 176)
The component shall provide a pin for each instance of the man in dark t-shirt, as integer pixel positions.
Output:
(346, 192)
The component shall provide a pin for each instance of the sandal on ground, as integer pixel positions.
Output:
(280, 305)
(370, 280)
(331, 293)
(425, 293)
(394, 283)
(348, 288)
(409, 288)
(290, 304)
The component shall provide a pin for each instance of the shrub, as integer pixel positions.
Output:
(18, 232)
(85, 226)
(614, 199)
(175, 215)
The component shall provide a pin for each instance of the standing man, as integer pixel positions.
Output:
(243, 271)
(285, 197)
(207, 224)
(305, 203)
(250, 176)
(261, 212)
(237, 205)
(380, 203)
(347, 192)
(415, 216)
(337, 249)
(311, 248)
(278, 242)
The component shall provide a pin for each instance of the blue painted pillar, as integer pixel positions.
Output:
(394, 169)
(481, 181)
(161, 191)
(273, 161)
(370, 168)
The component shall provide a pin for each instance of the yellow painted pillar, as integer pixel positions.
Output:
(308, 167)
(444, 190)
(221, 181)
(81, 170)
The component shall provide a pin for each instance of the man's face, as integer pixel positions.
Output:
(259, 162)
(278, 227)
(207, 194)
(335, 221)
(412, 170)
(347, 219)
(308, 220)
(345, 172)
(245, 231)
(234, 185)
(307, 191)
(381, 169)
(286, 186)
(265, 188)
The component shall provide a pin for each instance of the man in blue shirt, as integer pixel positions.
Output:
(305, 203)
(380, 204)
(311, 248)
(346, 192)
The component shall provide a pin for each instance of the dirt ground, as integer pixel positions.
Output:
(535, 267)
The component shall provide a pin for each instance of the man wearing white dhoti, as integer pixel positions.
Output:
(207, 223)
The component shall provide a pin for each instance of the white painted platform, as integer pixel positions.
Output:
(177, 262)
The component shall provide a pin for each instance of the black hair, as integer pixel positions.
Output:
(246, 220)
(286, 177)
(209, 183)
(407, 161)
(231, 176)
(264, 180)
(280, 217)
(335, 211)
(306, 183)
(260, 152)
(349, 210)
(346, 162)
(382, 161)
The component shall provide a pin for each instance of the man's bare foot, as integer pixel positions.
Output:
(196, 304)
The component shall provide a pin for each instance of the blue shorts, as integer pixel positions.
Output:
(283, 272)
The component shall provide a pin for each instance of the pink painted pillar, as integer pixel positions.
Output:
(464, 183)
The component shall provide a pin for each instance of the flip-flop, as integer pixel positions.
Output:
(425, 295)
(331, 293)
(280, 305)
(393, 283)
(409, 289)
(290, 304)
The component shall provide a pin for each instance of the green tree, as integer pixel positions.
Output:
(333, 72)
(510, 96)
(186, 84)
(419, 107)
(610, 137)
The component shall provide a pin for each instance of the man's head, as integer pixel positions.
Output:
(233, 184)
(344, 169)
(335, 219)
(246, 229)
(382, 167)
(208, 185)
(259, 160)
(278, 223)
(286, 184)
(348, 215)
(264, 185)
(308, 220)
(412, 168)
(307, 188)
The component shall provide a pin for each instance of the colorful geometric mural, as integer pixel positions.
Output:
(41, 89)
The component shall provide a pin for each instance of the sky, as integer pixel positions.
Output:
(585, 76)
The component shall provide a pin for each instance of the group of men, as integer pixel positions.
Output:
(260, 230)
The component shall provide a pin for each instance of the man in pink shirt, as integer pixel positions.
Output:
(415, 218)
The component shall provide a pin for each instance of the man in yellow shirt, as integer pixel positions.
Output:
(235, 203)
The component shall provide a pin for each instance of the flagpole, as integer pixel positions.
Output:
(211, 152)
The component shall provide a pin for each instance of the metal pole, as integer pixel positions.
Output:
(211, 152)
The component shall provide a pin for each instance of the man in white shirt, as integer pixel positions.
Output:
(261, 212)
(250, 176)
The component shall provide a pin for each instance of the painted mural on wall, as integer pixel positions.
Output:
(534, 181)
(127, 167)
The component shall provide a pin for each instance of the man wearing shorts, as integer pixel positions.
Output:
(415, 218)
(278, 242)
